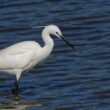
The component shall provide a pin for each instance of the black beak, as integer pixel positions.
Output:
(67, 42)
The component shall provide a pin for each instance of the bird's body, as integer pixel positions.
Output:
(25, 55)
(22, 56)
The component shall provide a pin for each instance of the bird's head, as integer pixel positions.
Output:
(54, 30)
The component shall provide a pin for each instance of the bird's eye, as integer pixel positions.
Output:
(56, 32)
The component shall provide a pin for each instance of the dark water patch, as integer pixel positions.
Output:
(17, 4)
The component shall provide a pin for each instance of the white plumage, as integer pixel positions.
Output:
(24, 55)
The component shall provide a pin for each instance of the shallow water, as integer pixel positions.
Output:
(67, 80)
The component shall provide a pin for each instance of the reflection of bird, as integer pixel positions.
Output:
(24, 55)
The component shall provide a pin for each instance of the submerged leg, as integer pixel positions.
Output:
(15, 88)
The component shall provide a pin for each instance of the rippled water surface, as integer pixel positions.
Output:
(68, 79)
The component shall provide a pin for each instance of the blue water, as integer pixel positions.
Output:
(69, 79)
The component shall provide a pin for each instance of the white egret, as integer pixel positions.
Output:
(25, 55)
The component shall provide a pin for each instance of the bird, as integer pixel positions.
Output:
(25, 55)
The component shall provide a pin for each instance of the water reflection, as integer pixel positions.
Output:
(16, 103)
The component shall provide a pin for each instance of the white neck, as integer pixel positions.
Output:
(46, 38)
(48, 41)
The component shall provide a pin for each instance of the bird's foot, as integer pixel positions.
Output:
(15, 89)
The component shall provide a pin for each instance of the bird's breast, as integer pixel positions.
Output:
(39, 55)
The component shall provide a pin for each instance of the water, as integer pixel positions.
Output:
(67, 80)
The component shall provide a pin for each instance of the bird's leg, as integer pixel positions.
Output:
(15, 88)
